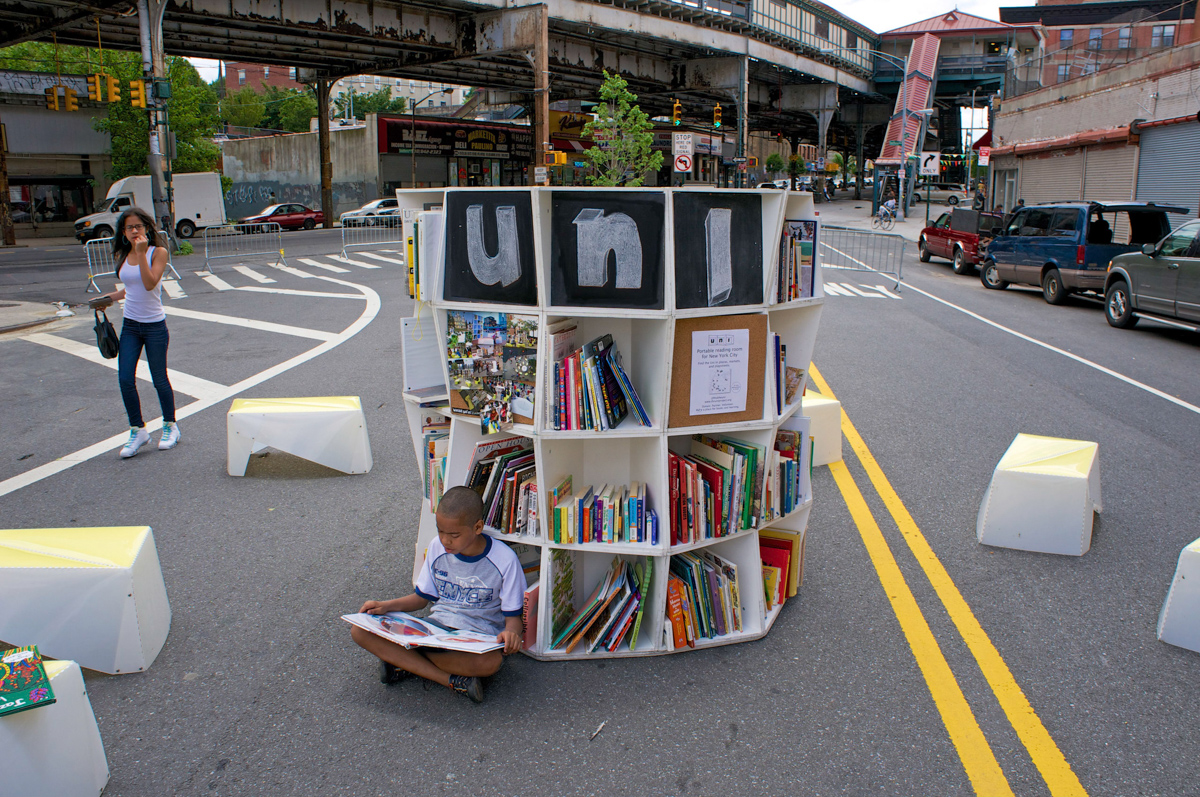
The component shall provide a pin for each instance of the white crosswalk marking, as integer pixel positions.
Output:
(250, 323)
(882, 289)
(308, 261)
(295, 272)
(254, 275)
(174, 291)
(374, 256)
(860, 290)
(833, 289)
(850, 287)
(348, 261)
(214, 280)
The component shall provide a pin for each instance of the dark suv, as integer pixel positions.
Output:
(1065, 247)
(1160, 282)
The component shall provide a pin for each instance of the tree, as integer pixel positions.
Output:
(373, 102)
(795, 168)
(288, 110)
(624, 155)
(774, 164)
(243, 108)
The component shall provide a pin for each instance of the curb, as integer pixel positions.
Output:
(29, 324)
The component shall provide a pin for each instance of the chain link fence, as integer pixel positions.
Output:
(844, 249)
(243, 241)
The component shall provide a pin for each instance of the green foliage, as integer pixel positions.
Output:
(243, 108)
(373, 102)
(185, 248)
(627, 130)
(795, 166)
(226, 184)
(288, 109)
(774, 163)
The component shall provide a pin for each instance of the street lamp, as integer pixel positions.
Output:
(412, 148)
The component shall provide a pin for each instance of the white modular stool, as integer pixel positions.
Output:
(93, 595)
(55, 750)
(826, 428)
(1042, 496)
(330, 430)
(1179, 621)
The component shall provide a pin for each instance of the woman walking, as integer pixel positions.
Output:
(140, 266)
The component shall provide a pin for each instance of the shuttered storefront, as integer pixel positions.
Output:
(1051, 177)
(1108, 173)
(1169, 166)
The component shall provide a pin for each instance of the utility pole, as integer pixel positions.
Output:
(154, 70)
(8, 235)
(743, 118)
(322, 86)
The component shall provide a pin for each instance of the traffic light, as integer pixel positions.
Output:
(114, 88)
(556, 158)
(677, 112)
(137, 93)
(52, 98)
(94, 89)
(717, 115)
(71, 101)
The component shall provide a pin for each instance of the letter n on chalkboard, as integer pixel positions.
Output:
(489, 247)
(718, 249)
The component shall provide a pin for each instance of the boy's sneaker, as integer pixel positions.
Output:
(138, 437)
(170, 436)
(390, 673)
(467, 685)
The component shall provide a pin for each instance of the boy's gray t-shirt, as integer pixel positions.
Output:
(472, 593)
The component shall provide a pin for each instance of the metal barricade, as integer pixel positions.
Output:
(371, 232)
(243, 241)
(100, 260)
(844, 249)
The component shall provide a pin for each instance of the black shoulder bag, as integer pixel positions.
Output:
(106, 337)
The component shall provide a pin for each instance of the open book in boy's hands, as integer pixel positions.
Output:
(410, 632)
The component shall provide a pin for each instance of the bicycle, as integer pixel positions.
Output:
(885, 219)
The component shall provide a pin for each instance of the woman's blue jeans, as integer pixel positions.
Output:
(154, 337)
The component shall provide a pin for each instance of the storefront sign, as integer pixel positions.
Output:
(455, 139)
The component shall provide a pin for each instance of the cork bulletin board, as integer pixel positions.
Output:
(753, 325)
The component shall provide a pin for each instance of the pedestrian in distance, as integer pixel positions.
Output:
(140, 266)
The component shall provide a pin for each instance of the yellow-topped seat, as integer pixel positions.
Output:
(1043, 496)
(826, 427)
(94, 595)
(328, 430)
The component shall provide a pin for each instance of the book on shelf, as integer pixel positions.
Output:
(772, 579)
(589, 387)
(422, 233)
(411, 632)
(607, 514)
(715, 488)
(778, 559)
(789, 380)
(23, 681)
(613, 611)
(529, 614)
(435, 435)
(796, 256)
(792, 542)
(709, 594)
(492, 361)
(790, 471)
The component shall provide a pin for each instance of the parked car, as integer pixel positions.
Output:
(950, 193)
(961, 235)
(1161, 281)
(289, 217)
(1065, 247)
(367, 213)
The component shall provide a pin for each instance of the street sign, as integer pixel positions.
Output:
(931, 164)
(539, 174)
(739, 160)
(894, 143)
(683, 162)
(682, 145)
(820, 164)
(985, 155)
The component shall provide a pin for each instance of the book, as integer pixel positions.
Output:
(410, 632)
(562, 589)
(793, 542)
(23, 681)
(529, 615)
(779, 559)
(675, 590)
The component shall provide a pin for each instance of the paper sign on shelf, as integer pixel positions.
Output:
(720, 360)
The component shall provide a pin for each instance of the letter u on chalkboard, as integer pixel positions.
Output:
(504, 266)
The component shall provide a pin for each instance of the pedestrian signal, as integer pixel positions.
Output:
(113, 87)
(677, 112)
(52, 98)
(137, 93)
(717, 115)
(71, 101)
(556, 158)
(94, 89)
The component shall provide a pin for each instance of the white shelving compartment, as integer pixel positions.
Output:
(582, 247)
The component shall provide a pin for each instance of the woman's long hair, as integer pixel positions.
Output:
(121, 245)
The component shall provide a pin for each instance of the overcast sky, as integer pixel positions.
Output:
(878, 15)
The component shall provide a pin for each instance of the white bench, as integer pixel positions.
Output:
(826, 428)
(92, 595)
(1043, 496)
(330, 430)
(1179, 621)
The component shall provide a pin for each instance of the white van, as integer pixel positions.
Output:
(199, 203)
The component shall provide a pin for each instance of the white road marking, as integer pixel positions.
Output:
(250, 323)
(347, 260)
(214, 280)
(254, 275)
(1081, 360)
(295, 272)
(316, 264)
(850, 287)
(174, 291)
(374, 256)
(181, 382)
(314, 294)
(35, 475)
(833, 289)
(884, 291)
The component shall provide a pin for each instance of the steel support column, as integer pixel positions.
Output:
(743, 119)
(154, 66)
(321, 87)
(541, 90)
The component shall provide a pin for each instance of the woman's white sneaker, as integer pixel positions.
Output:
(170, 436)
(138, 437)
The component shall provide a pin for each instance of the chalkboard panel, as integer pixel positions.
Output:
(606, 249)
(489, 247)
(718, 249)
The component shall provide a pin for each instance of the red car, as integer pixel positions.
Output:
(289, 217)
(960, 236)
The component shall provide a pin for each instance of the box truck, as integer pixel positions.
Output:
(199, 203)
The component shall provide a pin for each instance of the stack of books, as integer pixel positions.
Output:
(435, 431)
(610, 513)
(796, 260)
(782, 554)
(716, 488)
(589, 389)
(422, 250)
(703, 598)
(788, 379)
(503, 473)
(612, 612)
(790, 470)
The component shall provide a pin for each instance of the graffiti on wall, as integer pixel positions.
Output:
(247, 199)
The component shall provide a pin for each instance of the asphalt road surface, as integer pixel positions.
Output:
(259, 689)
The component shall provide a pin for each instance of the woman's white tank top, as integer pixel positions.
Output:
(141, 304)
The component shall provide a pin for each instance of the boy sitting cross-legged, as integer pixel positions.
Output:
(476, 583)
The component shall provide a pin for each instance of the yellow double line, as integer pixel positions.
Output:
(972, 746)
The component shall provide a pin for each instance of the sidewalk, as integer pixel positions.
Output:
(16, 316)
(23, 243)
(845, 211)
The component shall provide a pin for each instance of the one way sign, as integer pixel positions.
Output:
(931, 164)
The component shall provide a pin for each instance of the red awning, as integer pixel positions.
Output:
(984, 141)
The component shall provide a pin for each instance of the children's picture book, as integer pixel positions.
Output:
(492, 359)
(796, 250)
(411, 632)
(23, 681)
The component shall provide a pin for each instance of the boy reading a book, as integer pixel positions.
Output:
(476, 583)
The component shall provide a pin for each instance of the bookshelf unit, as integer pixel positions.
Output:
(645, 338)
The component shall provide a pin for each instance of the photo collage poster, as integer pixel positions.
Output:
(492, 358)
